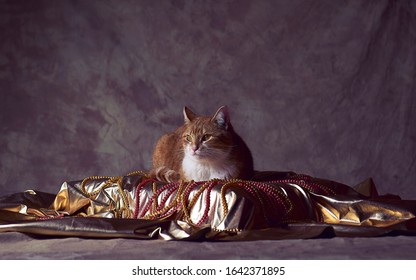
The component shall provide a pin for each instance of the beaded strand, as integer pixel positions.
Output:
(110, 182)
(306, 182)
(208, 186)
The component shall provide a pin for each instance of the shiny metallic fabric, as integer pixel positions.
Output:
(273, 205)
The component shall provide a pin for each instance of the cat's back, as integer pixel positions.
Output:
(167, 147)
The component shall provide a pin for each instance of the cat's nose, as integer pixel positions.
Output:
(195, 148)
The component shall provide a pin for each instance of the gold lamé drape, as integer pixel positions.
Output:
(273, 205)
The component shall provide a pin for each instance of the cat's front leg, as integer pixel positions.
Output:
(165, 174)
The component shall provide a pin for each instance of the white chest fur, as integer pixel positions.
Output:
(197, 170)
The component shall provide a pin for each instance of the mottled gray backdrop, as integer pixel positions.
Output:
(325, 88)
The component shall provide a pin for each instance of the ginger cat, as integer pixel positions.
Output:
(203, 148)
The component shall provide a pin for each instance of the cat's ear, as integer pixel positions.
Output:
(222, 117)
(188, 115)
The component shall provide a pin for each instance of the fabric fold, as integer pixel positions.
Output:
(272, 205)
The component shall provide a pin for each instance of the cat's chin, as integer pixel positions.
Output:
(199, 157)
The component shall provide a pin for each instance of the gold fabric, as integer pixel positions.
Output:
(273, 205)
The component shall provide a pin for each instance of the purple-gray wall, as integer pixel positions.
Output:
(325, 88)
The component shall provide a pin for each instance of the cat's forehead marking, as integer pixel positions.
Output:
(198, 125)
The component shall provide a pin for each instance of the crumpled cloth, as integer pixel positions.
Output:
(272, 205)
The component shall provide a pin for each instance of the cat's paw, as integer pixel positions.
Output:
(165, 174)
(172, 176)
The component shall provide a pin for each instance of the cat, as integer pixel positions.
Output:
(203, 148)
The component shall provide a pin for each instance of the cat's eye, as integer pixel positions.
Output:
(206, 137)
(188, 138)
